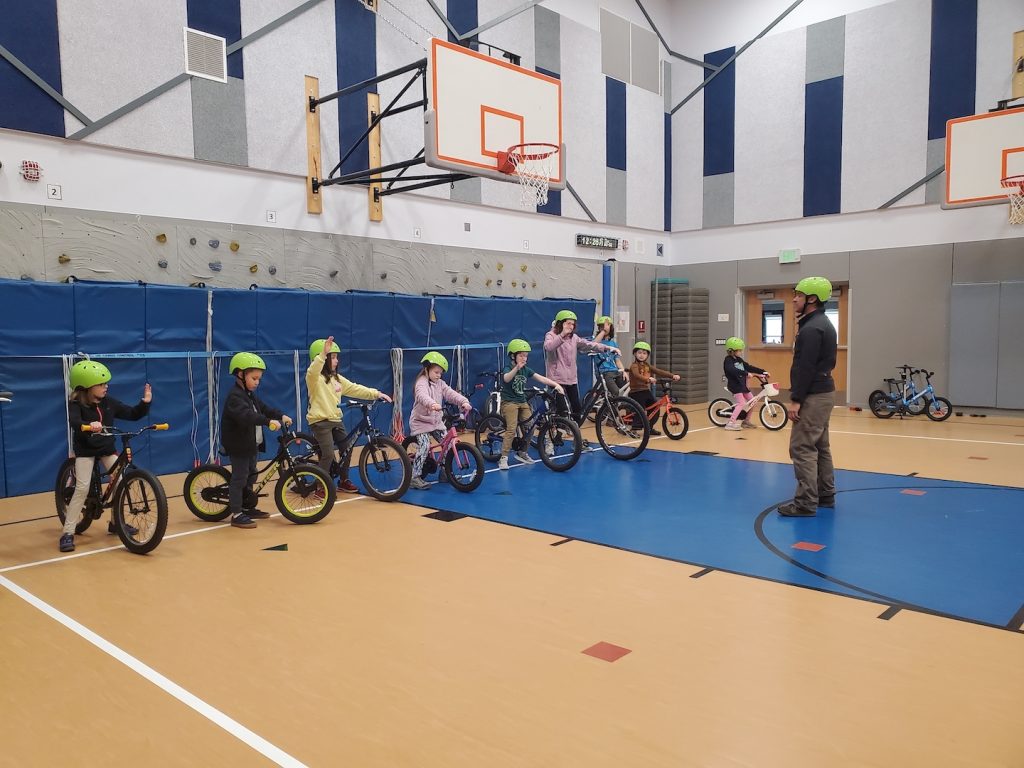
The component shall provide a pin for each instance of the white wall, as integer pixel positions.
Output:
(99, 178)
(588, 12)
(699, 26)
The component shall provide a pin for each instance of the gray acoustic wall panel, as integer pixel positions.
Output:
(935, 190)
(769, 144)
(666, 85)
(218, 121)
(275, 68)
(645, 59)
(719, 200)
(974, 342)
(1009, 393)
(645, 164)
(112, 52)
(615, 61)
(583, 124)
(885, 117)
(826, 47)
(887, 327)
(989, 261)
(616, 200)
(467, 190)
(547, 39)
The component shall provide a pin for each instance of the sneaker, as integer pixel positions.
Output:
(792, 510)
(749, 425)
(131, 530)
(257, 514)
(242, 520)
(549, 446)
(503, 462)
(67, 542)
(827, 502)
(419, 484)
(347, 486)
(732, 426)
(655, 433)
(524, 457)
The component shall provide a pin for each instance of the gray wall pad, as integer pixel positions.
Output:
(218, 121)
(826, 45)
(935, 190)
(616, 197)
(719, 200)
(548, 37)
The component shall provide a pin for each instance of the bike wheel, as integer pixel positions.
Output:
(560, 444)
(591, 405)
(882, 407)
(939, 409)
(720, 411)
(411, 446)
(385, 469)
(490, 432)
(304, 494)
(774, 416)
(675, 423)
(206, 492)
(303, 448)
(917, 407)
(622, 428)
(140, 505)
(464, 466)
(64, 489)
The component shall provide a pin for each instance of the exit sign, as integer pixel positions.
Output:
(789, 256)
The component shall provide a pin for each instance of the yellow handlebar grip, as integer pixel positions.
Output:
(86, 428)
(161, 427)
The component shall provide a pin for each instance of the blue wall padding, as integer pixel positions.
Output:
(109, 318)
(29, 31)
(39, 319)
(615, 123)
(953, 68)
(356, 40)
(222, 18)
(668, 172)
(162, 324)
(175, 319)
(330, 314)
(464, 15)
(235, 325)
(720, 116)
(823, 147)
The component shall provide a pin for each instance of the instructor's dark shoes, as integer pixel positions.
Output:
(792, 510)
(827, 502)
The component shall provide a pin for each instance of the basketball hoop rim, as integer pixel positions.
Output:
(509, 158)
(1013, 181)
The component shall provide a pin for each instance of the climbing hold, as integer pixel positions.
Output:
(215, 266)
(161, 238)
(254, 268)
(523, 267)
(333, 273)
(234, 245)
(272, 270)
(162, 263)
(465, 280)
(63, 258)
(500, 266)
(191, 241)
(476, 264)
(215, 243)
(515, 284)
(499, 283)
(488, 283)
(383, 275)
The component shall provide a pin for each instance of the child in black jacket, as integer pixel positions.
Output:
(736, 372)
(241, 434)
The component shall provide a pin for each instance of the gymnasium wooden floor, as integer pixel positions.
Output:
(385, 638)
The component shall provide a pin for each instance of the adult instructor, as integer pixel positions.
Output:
(812, 392)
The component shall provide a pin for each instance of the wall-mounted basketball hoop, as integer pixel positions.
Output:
(1014, 186)
(534, 165)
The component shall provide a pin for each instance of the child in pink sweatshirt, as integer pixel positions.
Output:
(561, 345)
(425, 420)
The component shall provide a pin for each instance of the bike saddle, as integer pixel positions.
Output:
(891, 381)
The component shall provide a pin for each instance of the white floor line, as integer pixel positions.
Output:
(207, 529)
(923, 437)
(236, 729)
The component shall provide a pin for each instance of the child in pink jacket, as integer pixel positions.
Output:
(561, 345)
(425, 420)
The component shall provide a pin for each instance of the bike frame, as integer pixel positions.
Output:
(440, 451)
(120, 468)
(759, 397)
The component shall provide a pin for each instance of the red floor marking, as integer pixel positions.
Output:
(912, 492)
(606, 651)
(809, 546)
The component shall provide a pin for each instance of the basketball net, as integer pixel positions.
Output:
(533, 165)
(1014, 186)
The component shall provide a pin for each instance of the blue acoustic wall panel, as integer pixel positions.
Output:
(823, 147)
(954, 47)
(464, 16)
(720, 116)
(615, 123)
(29, 31)
(356, 30)
(668, 173)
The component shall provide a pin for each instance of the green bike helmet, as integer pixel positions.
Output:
(518, 345)
(436, 358)
(88, 373)
(643, 345)
(734, 343)
(243, 361)
(602, 320)
(565, 314)
(318, 346)
(815, 286)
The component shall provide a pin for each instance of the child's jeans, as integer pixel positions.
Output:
(243, 476)
(83, 478)
(741, 399)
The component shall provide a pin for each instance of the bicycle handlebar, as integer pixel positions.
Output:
(115, 431)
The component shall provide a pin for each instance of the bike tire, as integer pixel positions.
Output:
(773, 416)
(675, 423)
(471, 475)
(943, 412)
(623, 417)
(715, 409)
(488, 437)
(557, 429)
(140, 494)
(303, 448)
(206, 492)
(305, 494)
(63, 490)
(375, 458)
(882, 407)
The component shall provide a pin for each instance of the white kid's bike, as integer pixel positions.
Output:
(772, 414)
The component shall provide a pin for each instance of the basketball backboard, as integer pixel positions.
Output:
(480, 106)
(981, 150)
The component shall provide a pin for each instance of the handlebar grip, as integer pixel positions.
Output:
(86, 428)
(161, 427)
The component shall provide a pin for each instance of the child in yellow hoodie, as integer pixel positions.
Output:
(326, 389)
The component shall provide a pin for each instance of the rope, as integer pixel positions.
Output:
(397, 424)
(194, 436)
(66, 359)
(402, 32)
(298, 395)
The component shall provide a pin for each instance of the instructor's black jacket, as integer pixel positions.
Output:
(814, 357)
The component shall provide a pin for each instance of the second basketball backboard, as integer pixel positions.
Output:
(480, 106)
(981, 150)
